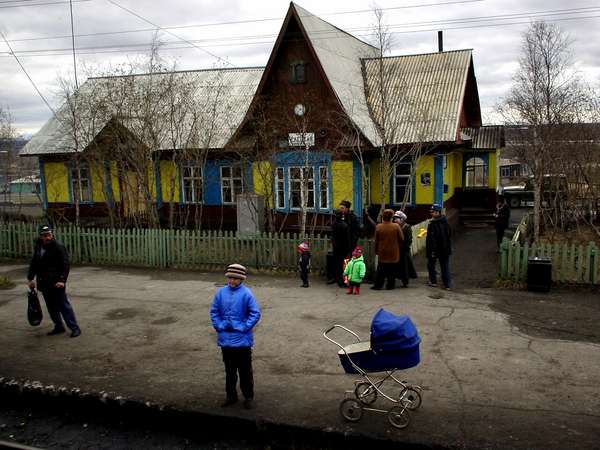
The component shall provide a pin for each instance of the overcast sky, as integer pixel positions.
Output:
(39, 33)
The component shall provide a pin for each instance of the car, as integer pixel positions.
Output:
(523, 195)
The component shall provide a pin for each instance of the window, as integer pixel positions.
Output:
(81, 186)
(302, 187)
(402, 183)
(298, 72)
(192, 183)
(505, 171)
(232, 183)
(279, 188)
(323, 188)
(476, 173)
(298, 185)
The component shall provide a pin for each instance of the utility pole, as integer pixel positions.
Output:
(73, 44)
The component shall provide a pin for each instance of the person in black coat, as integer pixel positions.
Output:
(345, 231)
(406, 267)
(502, 218)
(438, 247)
(50, 266)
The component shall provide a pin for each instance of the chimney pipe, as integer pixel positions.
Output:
(440, 41)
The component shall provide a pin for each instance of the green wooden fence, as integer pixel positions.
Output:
(570, 263)
(182, 249)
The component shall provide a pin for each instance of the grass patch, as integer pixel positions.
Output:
(5, 283)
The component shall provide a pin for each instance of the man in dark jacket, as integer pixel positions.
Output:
(234, 314)
(502, 218)
(50, 266)
(438, 247)
(345, 231)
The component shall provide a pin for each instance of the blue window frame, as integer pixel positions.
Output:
(297, 182)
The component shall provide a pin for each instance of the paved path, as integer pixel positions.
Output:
(147, 335)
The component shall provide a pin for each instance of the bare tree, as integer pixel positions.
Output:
(7, 134)
(403, 118)
(547, 96)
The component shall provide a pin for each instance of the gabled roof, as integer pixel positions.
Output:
(222, 98)
(424, 95)
(485, 137)
(340, 54)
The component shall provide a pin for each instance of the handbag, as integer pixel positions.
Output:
(34, 309)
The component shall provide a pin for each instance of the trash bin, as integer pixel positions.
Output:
(539, 274)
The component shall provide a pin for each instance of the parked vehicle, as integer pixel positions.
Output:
(522, 195)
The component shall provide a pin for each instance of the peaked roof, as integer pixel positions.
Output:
(222, 97)
(424, 95)
(340, 54)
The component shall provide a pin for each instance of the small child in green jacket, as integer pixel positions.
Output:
(355, 271)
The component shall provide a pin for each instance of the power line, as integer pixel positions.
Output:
(16, 1)
(25, 71)
(237, 22)
(169, 32)
(327, 33)
(42, 4)
(105, 50)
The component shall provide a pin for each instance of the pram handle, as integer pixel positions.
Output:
(333, 327)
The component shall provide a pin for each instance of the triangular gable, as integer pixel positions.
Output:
(340, 54)
(337, 56)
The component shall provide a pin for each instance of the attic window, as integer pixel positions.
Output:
(298, 72)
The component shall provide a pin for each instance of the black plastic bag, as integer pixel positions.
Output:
(34, 309)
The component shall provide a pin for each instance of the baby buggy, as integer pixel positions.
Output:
(394, 345)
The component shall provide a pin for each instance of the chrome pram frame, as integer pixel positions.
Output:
(366, 391)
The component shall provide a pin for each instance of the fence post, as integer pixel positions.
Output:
(594, 263)
(503, 258)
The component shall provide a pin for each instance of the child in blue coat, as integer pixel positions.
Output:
(234, 313)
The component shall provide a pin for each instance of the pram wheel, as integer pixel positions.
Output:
(365, 393)
(410, 398)
(399, 417)
(351, 410)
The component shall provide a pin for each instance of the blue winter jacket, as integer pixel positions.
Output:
(234, 313)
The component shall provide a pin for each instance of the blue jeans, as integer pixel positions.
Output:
(58, 305)
(444, 265)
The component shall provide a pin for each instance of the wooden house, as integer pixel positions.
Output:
(305, 131)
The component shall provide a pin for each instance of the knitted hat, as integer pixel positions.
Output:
(304, 246)
(400, 215)
(436, 207)
(236, 271)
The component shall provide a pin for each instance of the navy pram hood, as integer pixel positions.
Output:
(391, 333)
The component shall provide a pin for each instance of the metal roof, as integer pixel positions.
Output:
(485, 137)
(340, 56)
(423, 95)
(221, 99)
